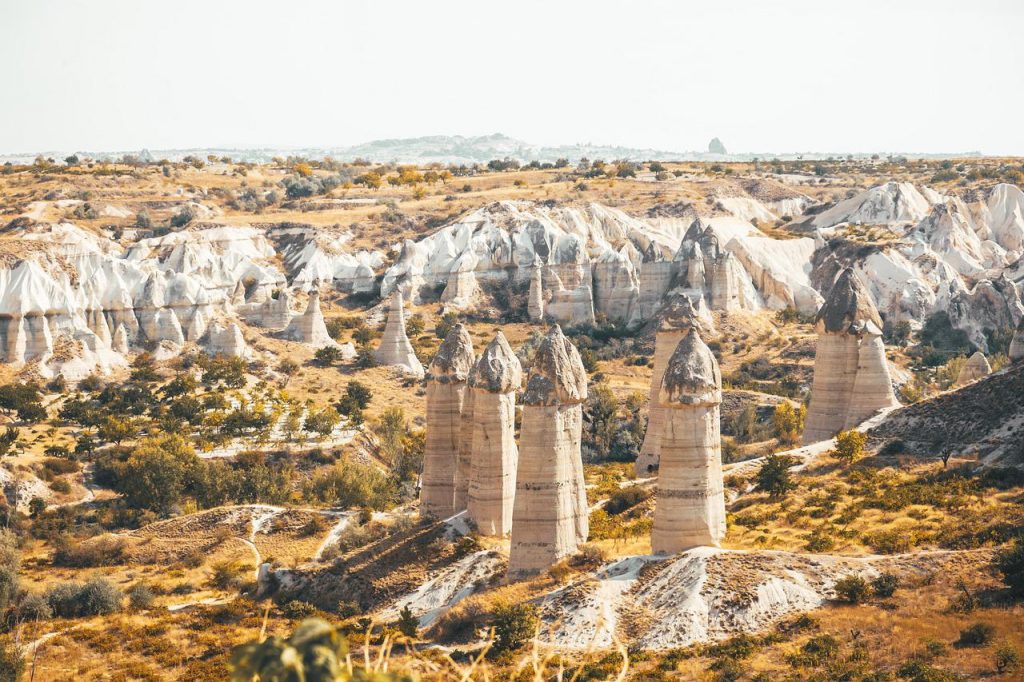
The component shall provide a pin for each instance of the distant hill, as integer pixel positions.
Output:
(456, 149)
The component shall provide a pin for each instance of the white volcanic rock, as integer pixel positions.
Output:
(226, 339)
(550, 517)
(493, 459)
(891, 203)
(395, 348)
(314, 257)
(851, 373)
(1017, 344)
(446, 390)
(990, 304)
(1005, 209)
(309, 327)
(976, 367)
(677, 318)
(690, 509)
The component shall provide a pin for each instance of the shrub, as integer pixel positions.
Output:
(34, 607)
(1010, 563)
(227, 575)
(514, 625)
(75, 600)
(774, 477)
(102, 551)
(408, 624)
(849, 446)
(852, 589)
(140, 596)
(12, 664)
(625, 498)
(978, 634)
(1007, 660)
(885, 585)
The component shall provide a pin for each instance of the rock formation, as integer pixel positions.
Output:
(550, 515)
(1017, 345)
(494, 380)
(310, 328)
(395, 348)
(677, 317)
(446, 390)
(690, 508)
(851, 373)
(535, 306)
(225, 340)
(975, 368)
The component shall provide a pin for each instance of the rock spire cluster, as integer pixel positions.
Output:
(851, 374)
(690, 508)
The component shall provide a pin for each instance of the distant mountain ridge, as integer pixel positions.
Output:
(456, 149)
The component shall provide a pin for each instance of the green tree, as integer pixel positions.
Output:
(774, 477)
(115, 429)
(327, 356)
(321, 422)
(849, 446)
(408, 624)
(789, 421)
(514, 625)
(158, 472)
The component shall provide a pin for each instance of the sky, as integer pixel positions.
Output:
(780, 76)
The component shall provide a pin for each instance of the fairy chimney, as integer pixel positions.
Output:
(975, 368)
(446, 390)
(395, 348)
(550, 515)
(493, 382)
(676, 317)
(851, 374)
(690, 509)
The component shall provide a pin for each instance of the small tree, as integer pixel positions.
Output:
(849, 446)
(789, 421)
(1007, 660)
(1010, 563)
(774, 477)
(327, 356)
(408, 624)
(514, 625)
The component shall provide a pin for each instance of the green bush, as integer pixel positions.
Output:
(514, 625)
(1007, 660)
(1010, 563)
(885, 585)
(978, 634)
(852, 589)
(76, 600)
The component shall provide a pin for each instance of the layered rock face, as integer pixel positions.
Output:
(446, 390)
(310, 328)
(851, 373)
(550, 515)
(395, 348)
(493, 382)
(678, 316)
(975, 368)
(690, 510)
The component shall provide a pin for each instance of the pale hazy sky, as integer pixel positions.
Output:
(780, 76)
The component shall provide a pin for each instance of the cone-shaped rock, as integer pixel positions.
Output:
(1017, 345)
(309, 327)
(395, 348)
(851, 374)
(690, 509)
(446, 390)
(549, 518)
(495, 378)
(677, 316)
(975, 368)
(225, 340)
(120, 341)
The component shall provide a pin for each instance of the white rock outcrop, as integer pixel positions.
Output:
(446, 391)
(976, 367)
(690, 509)
(494, 457)
(225, 339)
(309, 327)
(550, 518)
(395, 349)
(851, 373)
